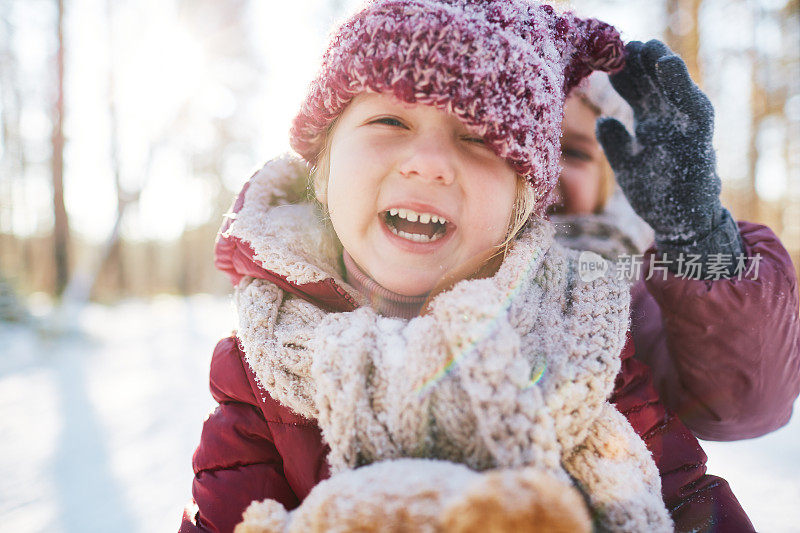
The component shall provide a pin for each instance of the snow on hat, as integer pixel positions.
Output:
(503, 67)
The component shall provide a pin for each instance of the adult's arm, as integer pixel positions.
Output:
(725, 354)
(732, 344)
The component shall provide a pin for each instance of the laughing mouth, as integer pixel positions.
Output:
(414, 226)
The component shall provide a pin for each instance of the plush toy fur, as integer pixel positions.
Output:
(422, 495)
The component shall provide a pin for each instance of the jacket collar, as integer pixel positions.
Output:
(276, 232)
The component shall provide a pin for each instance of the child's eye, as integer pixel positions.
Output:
(571, 153)
(389, 121)
(476, 140)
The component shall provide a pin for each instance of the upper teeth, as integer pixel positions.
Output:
(413, 216)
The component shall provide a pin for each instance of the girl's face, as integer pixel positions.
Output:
(581, 159)
(412, 194)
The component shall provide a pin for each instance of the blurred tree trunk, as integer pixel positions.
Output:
(60, 221)
(758, 112)
(788, 70)
(16, 253)
(113, 249)
(9, 135)
(682, 34)
(771, 87)
(790, 16)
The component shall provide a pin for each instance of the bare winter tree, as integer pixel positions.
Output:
(775, 81)
(60, 221)
(12, 160)
(682, 33)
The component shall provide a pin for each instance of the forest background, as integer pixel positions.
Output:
(126, 127)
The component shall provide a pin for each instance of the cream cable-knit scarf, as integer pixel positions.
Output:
(509, 371)
(600, 234)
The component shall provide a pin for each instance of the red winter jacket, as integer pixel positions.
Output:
(725, 354)
(253, 448)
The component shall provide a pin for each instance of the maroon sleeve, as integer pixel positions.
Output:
(695, 500)
(725, 354)
(237, 461)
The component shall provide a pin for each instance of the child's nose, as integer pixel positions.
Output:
(431, 158)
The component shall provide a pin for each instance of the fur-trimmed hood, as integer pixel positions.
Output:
(275, 232)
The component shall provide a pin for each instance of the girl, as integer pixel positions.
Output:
(432, 131)
(729, 379)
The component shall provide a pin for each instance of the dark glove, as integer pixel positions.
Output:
(668, 171)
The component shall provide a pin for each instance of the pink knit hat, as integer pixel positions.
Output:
(503, 67)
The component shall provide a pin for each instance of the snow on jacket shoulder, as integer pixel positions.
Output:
(725, 354)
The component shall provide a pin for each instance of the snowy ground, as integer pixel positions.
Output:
(97, 427)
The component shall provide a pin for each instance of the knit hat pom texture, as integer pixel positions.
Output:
(503, 67)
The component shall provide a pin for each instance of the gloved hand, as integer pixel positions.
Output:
(668, 171)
